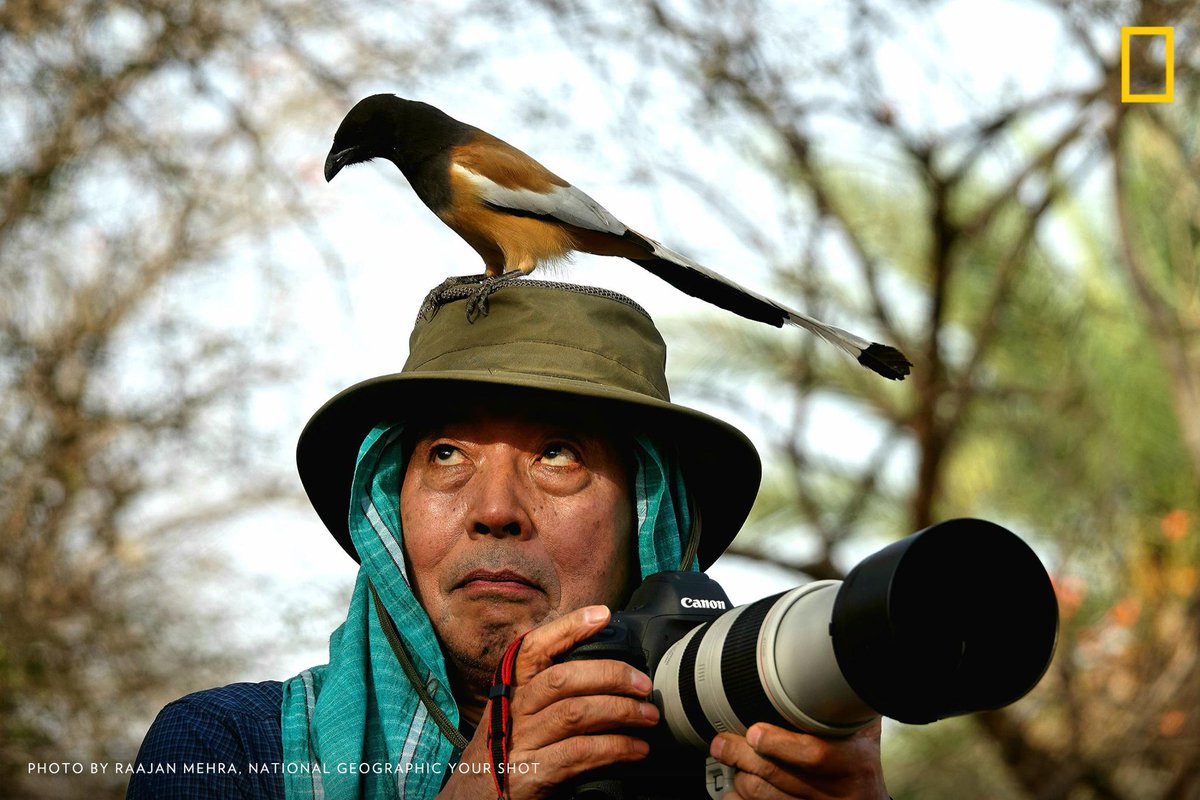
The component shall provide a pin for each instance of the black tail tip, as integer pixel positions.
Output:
(887, 361)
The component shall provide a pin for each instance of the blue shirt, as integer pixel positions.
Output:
(219, 743)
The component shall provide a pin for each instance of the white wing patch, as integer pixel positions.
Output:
(564, 203)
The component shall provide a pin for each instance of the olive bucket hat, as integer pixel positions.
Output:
(591, 350)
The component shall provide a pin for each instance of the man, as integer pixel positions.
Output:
(521, 475)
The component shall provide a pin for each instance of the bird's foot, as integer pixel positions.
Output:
(477, 303)
(434, 300)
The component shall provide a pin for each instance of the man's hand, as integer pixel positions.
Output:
(558, 712)
(774, 763)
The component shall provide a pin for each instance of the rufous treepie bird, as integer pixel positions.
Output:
(517, 214)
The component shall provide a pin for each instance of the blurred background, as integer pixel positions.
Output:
(180, 290)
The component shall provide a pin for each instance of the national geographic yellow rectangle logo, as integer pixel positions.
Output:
(1168, 93)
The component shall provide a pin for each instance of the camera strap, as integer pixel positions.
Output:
(499, 733)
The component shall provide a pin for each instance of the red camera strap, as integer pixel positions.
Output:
(499, 734)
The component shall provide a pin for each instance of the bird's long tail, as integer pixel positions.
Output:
(699, 281)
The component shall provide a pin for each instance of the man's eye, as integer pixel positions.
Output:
(445, 454)
(559, 455)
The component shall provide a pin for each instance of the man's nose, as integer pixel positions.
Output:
(501, 503)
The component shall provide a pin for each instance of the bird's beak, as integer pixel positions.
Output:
(335, 162)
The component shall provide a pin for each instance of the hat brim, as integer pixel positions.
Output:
(721, 467)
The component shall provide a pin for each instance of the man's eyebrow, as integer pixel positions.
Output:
(437, 426)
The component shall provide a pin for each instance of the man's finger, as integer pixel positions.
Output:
(578, 679)
(801, 765)
(736, 752)
(544, 643)
(813, 753)
(576, 716)
(748, 786)
(566, 759)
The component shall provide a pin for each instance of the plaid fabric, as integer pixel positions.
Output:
(219, 743)
(359, 709)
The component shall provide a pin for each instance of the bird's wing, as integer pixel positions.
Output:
(506, 178)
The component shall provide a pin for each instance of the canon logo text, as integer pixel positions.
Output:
(692, 602)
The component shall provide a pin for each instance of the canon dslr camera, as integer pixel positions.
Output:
(957, 618)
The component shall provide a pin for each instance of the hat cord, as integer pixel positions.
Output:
(693, 540)
(410, 671)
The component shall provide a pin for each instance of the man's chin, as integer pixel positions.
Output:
(485, 625)
(489, 609)
(477, 649)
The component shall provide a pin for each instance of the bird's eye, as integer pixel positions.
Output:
(445, 454)
(559, 455)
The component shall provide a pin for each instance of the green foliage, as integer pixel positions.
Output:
(945, 760)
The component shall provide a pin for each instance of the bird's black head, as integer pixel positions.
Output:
(385, 126)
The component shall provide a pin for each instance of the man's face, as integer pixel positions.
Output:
(511, 520)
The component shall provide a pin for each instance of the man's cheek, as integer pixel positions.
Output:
(601, 579)
(420, 587)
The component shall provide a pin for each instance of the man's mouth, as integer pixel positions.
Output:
(502, 581)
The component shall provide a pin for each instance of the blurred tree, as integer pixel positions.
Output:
(152, 158)
(1049, 236)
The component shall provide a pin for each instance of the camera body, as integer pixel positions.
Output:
(661, 611)
(957, 618)
(664, 609)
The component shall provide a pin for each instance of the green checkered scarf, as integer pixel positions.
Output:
(355, 728)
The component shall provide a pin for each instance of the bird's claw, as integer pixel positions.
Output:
(477, 303)
(434, 300)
